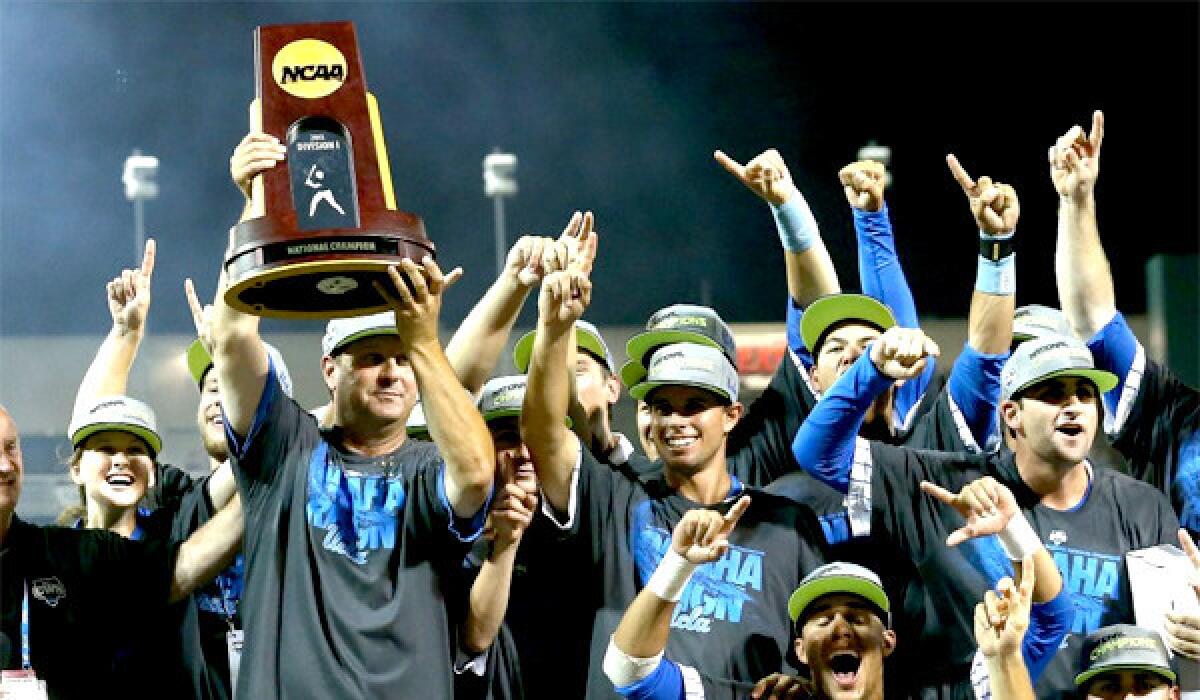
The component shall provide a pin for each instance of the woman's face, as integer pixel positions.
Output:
(115, 469)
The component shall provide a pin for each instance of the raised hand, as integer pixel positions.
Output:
(1003, 617)
(515, 502)
(901, 353)
(778, 686)
(1183, 626)
(416, 297)
(986, 504)
(581, 242)
(201, 315)
(863, 182)
(1075, 160)
(767, 175)
(257, 152)
(565, 296)
(129, 294)
(702, 535)
(994, 205)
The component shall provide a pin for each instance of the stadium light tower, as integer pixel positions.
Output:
(138, 177)
(499, 181)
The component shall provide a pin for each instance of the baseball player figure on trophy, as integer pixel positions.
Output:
(323, 227)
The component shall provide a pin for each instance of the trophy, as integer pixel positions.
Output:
(323, 224)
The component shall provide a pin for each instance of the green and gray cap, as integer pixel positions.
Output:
(839, 577)
(502, 397)
(1123, 648)
(688, 364)
(1045, 358)
(199, 361)
(119, 413)
(587, 337)
(1034, 321)
(679, 323)
(832, 309)
(416, 425)
(340, 332)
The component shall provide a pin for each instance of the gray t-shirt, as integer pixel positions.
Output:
(351, 563)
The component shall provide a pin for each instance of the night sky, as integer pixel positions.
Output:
(612, 107)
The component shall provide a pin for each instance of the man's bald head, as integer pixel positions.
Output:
(12, 467)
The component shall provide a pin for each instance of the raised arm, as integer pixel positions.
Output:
(634, 661)
(810, 272)
(454, 423)
(1001, 620)
(1085, 284)
(128, 304)
(974, 383)
(512, 511)
(481, 337)
(1183, 626)
(555, 451)
(824, 444)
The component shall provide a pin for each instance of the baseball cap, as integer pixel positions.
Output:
(1123, 647)
(1034, 321)
(120, 413)
(832, 309)
(502, 397)
(1051, 356)
(199, 361)
(587, 337)
(689, 364)
(682, 323)
(839, 577)
(340, 332)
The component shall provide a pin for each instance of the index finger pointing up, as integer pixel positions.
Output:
(148, 257)
(735, 168)
(960, 175)
(736, 512)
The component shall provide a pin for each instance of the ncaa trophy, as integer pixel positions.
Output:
(323, 224)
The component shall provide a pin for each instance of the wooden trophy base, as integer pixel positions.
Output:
(324, 274)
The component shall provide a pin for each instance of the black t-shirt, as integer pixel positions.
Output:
(204, 619)
(349, 564)
(934, 615)
(94, 598)
(1160, 438)
(731, 624)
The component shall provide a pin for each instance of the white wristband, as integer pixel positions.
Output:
(668, 580)
(1018, 538)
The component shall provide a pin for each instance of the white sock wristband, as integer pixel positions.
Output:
(671, 576)
(1018, 538)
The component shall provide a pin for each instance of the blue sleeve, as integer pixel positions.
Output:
(974, 385)
(237, 445)
(1113, 348)
(882, 278)
(795, 341)
(665, 682)
(824, 444)
(465, 529)
(1049, 623)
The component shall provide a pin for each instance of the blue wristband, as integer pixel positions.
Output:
(999, 277)
(795, 224)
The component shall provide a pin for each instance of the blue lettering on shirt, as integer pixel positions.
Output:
(1093, 582)
(1186, 484)
(357, 511)
(717, 591)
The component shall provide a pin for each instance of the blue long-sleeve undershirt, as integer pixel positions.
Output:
(665, 682)
(974, 385)
(824, 444)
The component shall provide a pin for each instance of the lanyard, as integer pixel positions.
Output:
(25, 657)
(225, 587)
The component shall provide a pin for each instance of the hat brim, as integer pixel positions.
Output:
(198, 361)
(828, 311)
(523, 350)
(803, 596)
(1104, 381)
(640, 346)
(639, 391)
(510, 413)
(1083, 678)
(632, 373)
(360, 335)
(151, 438)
